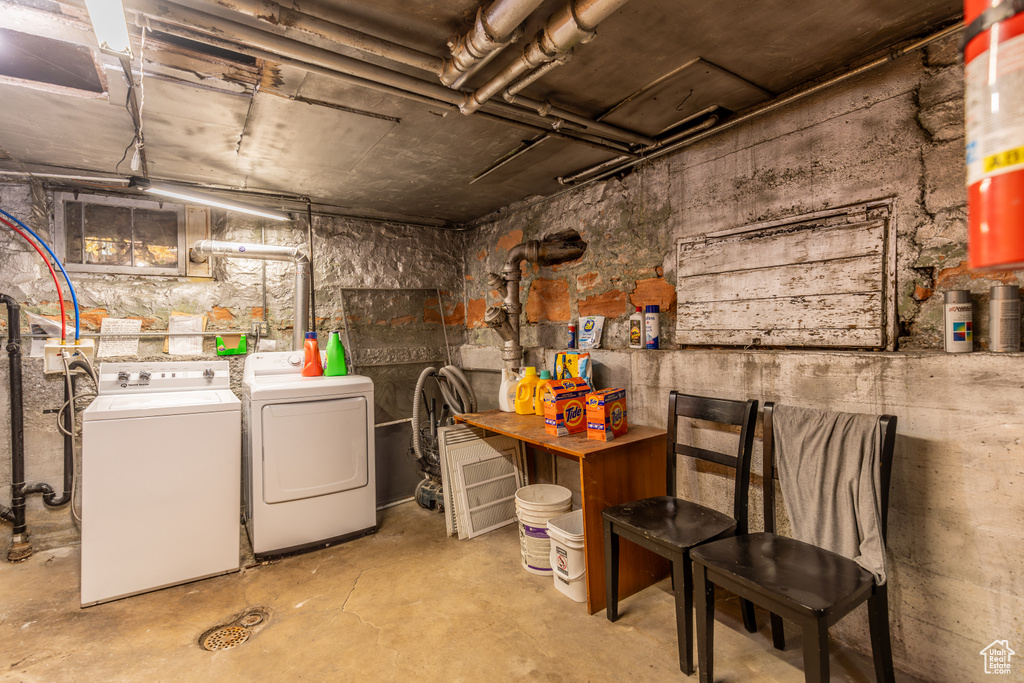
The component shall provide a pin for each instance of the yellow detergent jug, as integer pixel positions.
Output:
(526, 392)
(542, 384)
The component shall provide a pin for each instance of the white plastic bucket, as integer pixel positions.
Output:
(567, 559)
(535, 505)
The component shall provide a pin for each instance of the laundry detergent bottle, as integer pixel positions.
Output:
(507, 390)
(312, 366)
(336, 366)
(542, 385)
(526, 392)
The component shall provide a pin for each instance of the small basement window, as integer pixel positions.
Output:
(120, 235)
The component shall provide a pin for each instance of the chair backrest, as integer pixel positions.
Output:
(769, 472)
(722, 411)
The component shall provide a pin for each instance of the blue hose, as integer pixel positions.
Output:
(56, 260)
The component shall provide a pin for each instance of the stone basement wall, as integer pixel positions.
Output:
(954, 533)
(394, 333)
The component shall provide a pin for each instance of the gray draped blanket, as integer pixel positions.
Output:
(829, 473)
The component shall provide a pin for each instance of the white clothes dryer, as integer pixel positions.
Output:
(309, 475)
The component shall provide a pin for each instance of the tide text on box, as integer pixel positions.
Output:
(564, 407)
(606, 414)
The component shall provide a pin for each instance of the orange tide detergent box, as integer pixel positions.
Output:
(606, 414)
(564, 406)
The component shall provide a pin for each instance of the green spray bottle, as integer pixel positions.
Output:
(336, 366)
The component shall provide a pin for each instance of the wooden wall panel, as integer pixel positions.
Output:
(821, 280)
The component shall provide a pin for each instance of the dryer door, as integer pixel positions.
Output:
(313, 448)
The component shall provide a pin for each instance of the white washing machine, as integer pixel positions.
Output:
(160, 473)
(309, 476)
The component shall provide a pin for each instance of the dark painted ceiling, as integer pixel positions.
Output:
(224, 119)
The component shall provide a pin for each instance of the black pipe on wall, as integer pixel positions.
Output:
(50, 497)
(20, 547)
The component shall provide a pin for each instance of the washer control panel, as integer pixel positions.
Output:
(127, 378)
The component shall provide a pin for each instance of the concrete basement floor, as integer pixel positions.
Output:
(406, 604)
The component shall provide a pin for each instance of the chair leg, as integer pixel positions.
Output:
(778, 633)
(881, 645)
(683, 574)
(611, 571)
(815, 637)
(749, 618)
(704, 592)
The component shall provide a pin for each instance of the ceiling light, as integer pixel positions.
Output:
(189, 195)
(108, 23)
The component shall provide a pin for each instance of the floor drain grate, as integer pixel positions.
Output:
(233, 634)
(225, 638)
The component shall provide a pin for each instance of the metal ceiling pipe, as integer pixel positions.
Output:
(277, 14)
(553, 249)
(614, 163)
(537, 74)
(606, 129)
(496, 26)
(566, 28)
(252, 40)
(203, 249)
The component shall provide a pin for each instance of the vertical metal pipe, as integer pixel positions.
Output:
(312, 282)
(301, 321)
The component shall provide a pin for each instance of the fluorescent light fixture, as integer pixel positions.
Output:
(111, 30)
(187, 194)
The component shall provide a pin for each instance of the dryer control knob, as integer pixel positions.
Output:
(145, 375)
(123, 376)
(295, 359)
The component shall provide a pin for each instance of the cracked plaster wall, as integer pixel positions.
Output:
(408, 278)
(894, 132)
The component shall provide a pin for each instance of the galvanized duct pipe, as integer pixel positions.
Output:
(554, 249)
(569, 26)
(496, 26)
(277, 14)
(203, 249)
(268, 45)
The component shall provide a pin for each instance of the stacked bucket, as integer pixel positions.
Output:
(551, 537)
(535, 505)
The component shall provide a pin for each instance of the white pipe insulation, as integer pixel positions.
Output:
(203, 249)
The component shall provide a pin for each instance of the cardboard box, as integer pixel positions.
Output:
(564, 407)
(606, 414)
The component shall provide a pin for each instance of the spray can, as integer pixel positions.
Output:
(572, 336)
(636, 330)
(959, 333)
(651, 326)
(1004, 319)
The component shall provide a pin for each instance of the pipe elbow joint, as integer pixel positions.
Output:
(528, 251)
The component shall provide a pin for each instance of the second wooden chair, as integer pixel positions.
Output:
(669, 526)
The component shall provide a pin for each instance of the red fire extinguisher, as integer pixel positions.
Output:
(994, 72)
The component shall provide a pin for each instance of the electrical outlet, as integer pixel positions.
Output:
(261, 328)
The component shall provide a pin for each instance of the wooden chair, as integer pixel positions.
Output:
(801, 582)
(669, 526)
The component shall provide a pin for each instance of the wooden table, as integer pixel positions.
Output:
(628, 468)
